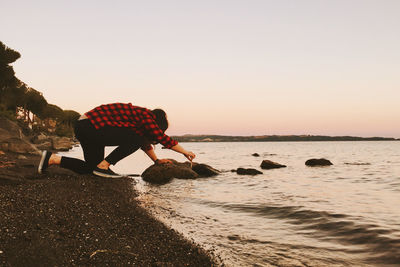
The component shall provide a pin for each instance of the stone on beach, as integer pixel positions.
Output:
(18, 145)
(61, 143)
(267, 164)
(13, 140)
(318, 162)
(40, 138)
(255, 155)
(163, 173)
(45, 145)
(45, 142)
(249, 171)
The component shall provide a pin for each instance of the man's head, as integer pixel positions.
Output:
(161, 119)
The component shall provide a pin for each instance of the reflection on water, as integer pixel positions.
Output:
(343, 215)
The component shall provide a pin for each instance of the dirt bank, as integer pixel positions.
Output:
(63, 219)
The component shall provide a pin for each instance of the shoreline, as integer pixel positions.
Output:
(61, 218)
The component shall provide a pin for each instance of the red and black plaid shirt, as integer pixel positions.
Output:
(140, 120)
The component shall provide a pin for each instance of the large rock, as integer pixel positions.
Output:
(250, 171)
(13, 140)
(41, 138)
(267, 164)
(318, 162)
(62, 143)
(163, 173)
(45, 145)
(18, 145)
(10, 128)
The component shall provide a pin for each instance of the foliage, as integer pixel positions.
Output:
(16, 96)
(35, 102)
(53, 112)
(7, 74)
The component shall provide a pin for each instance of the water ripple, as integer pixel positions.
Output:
(329, 226)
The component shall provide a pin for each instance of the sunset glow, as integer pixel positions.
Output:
(218, 67)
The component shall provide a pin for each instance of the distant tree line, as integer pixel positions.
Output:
(274, 138)
(19, 101)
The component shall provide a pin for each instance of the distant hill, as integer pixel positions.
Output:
(274, 138)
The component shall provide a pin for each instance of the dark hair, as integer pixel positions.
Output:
(161, 119)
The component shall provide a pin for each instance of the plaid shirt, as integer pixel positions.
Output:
(140, 120)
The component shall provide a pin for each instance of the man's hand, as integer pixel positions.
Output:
(163, 161)
(190, 155)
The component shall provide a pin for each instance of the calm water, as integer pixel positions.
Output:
(347, 214)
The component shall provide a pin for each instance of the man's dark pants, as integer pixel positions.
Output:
(93, 142)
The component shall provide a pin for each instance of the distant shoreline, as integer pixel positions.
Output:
(276, 138)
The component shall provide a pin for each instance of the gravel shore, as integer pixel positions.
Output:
(63, 219)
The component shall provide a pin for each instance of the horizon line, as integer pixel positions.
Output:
(285, 135)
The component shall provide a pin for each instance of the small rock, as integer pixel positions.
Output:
(255, 155)
(318, 162)
(267, 164)
(243, 171)
(204, 170)
(233, 237)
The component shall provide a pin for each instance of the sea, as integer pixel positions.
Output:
(346, 214)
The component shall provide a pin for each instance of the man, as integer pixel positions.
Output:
(123, 125)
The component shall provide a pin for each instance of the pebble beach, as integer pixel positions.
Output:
(63, 219)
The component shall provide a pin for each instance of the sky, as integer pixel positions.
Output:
(249, 67)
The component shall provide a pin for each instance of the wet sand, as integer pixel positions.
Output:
(63, 219)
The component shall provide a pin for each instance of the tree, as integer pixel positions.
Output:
(53, 112)
(7, 74)
(16, 97)
(35, 102)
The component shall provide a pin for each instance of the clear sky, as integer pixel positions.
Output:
(218, 66)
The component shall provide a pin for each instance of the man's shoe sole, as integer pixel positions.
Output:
(104, 175)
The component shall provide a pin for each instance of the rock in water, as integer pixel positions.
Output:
(243, 171)
(204, 170)
(163, 173)
(318, 162)
(267, 164)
